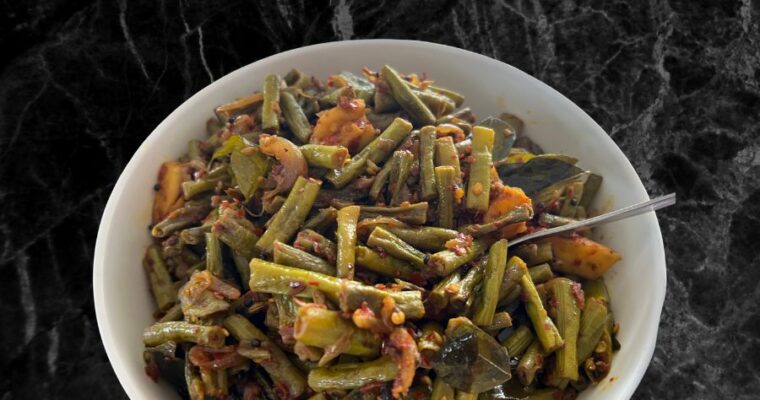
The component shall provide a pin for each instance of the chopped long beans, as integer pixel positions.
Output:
(348, 238)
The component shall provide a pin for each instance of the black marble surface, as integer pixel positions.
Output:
(675, 83)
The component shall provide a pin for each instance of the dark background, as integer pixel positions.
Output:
(675, 83)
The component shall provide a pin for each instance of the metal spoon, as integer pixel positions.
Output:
(625, 212)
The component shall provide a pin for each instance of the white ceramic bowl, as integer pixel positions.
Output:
(637, 283)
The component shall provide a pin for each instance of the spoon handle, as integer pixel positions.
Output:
(625, 212)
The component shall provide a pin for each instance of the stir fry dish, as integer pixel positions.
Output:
(349, 239)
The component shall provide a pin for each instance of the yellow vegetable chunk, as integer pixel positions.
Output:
(345, 124)
(582, 256)
(503, 200)
(169, 193)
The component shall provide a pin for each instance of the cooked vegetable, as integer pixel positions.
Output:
(295, 118)
(293, 257)
(393, 245)
(270, 109)
(581, 256)
(479, 182)
(445, 182)
(346, 256)
(321, 156)
(177, 331)
(376, 151)
(319, 327)
(564, 298)
(544, 327)
(353, 375)
(497, 261)
(293, 213)
(405, 97)
(333, 229)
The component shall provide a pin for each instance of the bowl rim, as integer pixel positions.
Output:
(131, 387)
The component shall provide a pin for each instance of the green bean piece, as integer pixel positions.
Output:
(445, 182)
(466, 396)
(479, 182)
(518, 341)
(535, 254)
(270, 109)
(297, 78)
(207, 183)
(320, 327)
(276, 363)
(214, 255)
(244, 105)
(424, 237)
(568, 314)
(445, 262)
(381, 179)
(249, 167)
(322, 220)
(196, 234)
(596, 289)
(241, 264)
(456, 97)
(161, 284)
(551, 220)
(515, 270)
(501, 320)
(541, 273)
(497, 261)
(446, 155)
(293, 257)
(391, 244)
(428, 189)
(385, 265)
(442, 390)
(236, 234)
(573, 195)
(590, 189)
(345, 262)
(189, 214)
(530, 363)
(544, 327)
(363, 88)
(410, 213)
(193, 380)
(353, 375)
(269, 277)
(173, 314)
(291, 215)
(295, 117)
(597, 366)
(593, 324)
(519, 214)
(466, 287)
(438, 104)
(406, 98)
(376, 151)
(402, 165)
(443, 291)
(322, 156)
(314, 243)
(381, 120)
(180, 332)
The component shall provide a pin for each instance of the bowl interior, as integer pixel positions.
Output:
(637, 283)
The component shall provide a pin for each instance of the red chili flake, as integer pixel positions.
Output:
(152, 371)
(347, 104)
(577, 262)
(314, 283)
(469, 160)
(577, 291)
